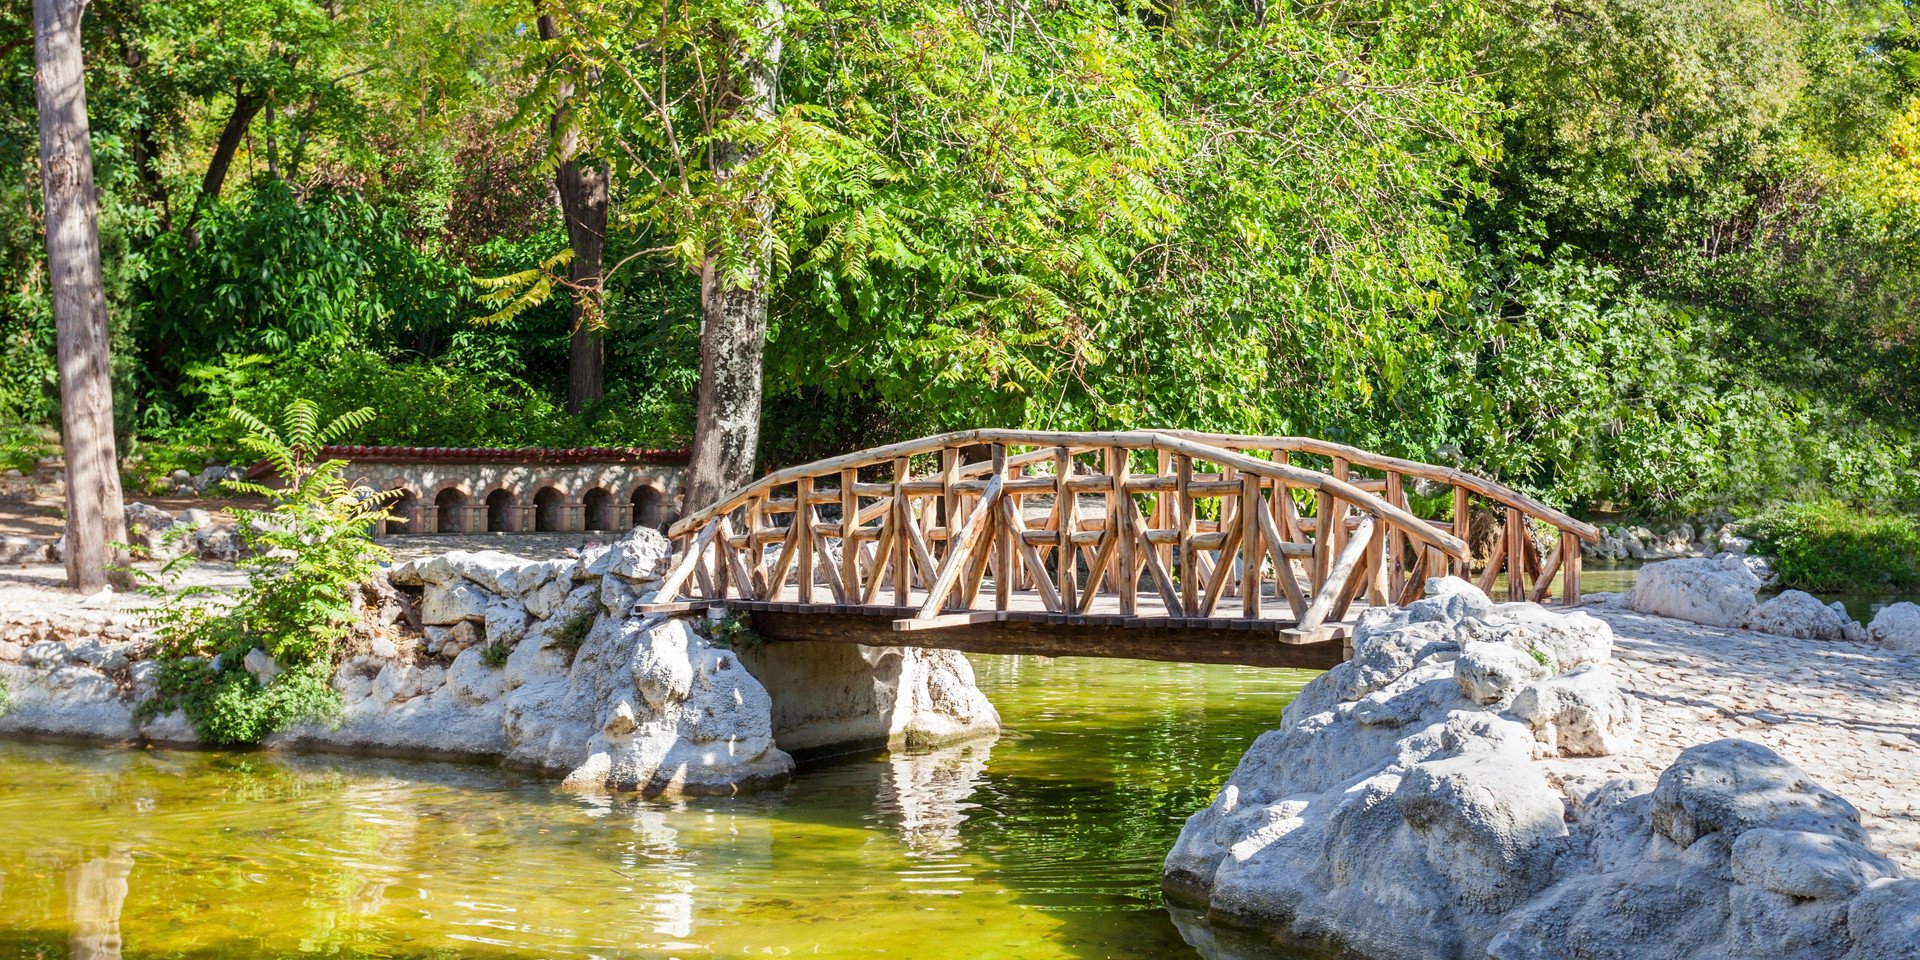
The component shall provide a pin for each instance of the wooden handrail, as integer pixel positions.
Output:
(1451, 476)
(1079, 442)
(941, 535)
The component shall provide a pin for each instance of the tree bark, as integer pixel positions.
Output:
(245, 107)
(582, 185)
(95, 514)
(733, 311)
(583, 201)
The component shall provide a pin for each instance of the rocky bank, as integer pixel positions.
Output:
(541, 665)
(1439, 796)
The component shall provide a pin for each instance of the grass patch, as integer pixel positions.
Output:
(1828, 547)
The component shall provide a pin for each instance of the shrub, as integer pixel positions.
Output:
(1830, 546)
(307, 557)
(733, 632)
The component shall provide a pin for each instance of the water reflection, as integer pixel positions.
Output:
(931, 793)
(1043, 845)
(96, 891)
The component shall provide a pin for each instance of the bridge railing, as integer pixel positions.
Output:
(1135, 524)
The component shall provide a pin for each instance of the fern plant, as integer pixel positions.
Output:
(307, 556)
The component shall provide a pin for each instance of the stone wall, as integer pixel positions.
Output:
(519, 491)
(538, 665)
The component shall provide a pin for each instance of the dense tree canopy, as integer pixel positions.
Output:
(1642, 254)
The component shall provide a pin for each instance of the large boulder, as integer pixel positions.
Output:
(673, 715)
(1718, 592)
(641, 556)
(1798, 614)
(1897, 626)
(1408, 807)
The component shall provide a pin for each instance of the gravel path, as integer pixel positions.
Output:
(1849, 714)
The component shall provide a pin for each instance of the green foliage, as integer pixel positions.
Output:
(465, 400)
(1649, 256)
(275, 274)
(309, 554)
(570, 633)
(733, 632)
(5, 694)
(1830, 546)
(495, 655)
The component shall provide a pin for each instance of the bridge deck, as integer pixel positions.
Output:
(1027, 626)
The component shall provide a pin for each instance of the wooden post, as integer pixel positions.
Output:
(1162, 507)
(803, 522)
(1341, 471)
(1396, 541)
(1251, 507)
(1463, 528)
(964, 546)
(849, 543)
(1517, 540)
(1570, 569)
(902, 517)
(1003, 578)
(1120, 520)
(949, 500)
(1066, 511)
(1189, 557)
(1322, 540)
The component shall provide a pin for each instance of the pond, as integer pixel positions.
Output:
(1046, 843)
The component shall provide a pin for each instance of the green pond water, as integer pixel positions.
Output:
(1045, 843)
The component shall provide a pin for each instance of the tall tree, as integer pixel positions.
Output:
(95, 517)
(733, 303)
(581, 182)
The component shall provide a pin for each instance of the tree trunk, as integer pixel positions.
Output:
(95, 515)
(582, 185)
(245, 107)
(733, 314)
(583, 201)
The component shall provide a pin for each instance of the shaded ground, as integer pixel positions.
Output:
(43, 517)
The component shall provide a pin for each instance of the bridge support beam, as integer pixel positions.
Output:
(1256, 648)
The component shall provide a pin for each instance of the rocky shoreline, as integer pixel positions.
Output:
(1461, 789)
(537, 665)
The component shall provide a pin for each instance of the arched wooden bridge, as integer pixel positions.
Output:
(1150, 544)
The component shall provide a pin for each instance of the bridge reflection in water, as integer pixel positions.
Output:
(1148, 544)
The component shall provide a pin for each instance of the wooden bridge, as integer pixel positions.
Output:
(1148, 544)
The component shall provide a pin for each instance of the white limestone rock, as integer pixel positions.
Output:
(506, 623)
(1798, 614)
(498, 573)
(1401, 811)
(1897, 626)
(1734, 854)
(1884, 922)
(1578, 714)
(261, 665)
(1494, 672)
(65, 700)
(1718, 593)
(541, 602)
(20, 550)
(641, 556)
(446, 604)
(674, 715)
